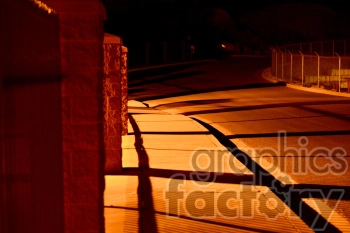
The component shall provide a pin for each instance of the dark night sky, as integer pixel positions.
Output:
(164, 20)
(242, 7)
(234, 7)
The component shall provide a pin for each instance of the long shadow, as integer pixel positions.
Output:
(192, 103)
(266, 106)
(291, 197)
(134, 74)
(165, 78)
(147, 219)
(227, 178)
(206, 90)
(172, 133)
(269, 119)
(136, 90)
(327, 113)
(301, 133)
(325, 189)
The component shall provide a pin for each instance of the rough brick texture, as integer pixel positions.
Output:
(124, 71)
(81, 28)
(112, 105)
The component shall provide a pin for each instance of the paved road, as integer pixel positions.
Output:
(306, 134)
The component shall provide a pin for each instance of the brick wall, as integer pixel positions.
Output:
(51, 93)
(31, 133)
(3, 214)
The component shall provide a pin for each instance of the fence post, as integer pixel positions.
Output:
(302, 68)
(339, 69)
(291, 67)
(318, 70)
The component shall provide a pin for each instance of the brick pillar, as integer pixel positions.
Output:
(81, 28)
(112, 102)
(124, 71)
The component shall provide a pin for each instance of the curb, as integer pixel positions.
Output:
(266, 74)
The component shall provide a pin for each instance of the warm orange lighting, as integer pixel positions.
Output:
(222, 45)
(44, 7)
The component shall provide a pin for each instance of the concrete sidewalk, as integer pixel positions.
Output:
(178, 177)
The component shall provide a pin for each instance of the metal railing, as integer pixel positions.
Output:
(319, 64)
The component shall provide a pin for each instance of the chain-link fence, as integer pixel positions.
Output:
(323, 48)
(321, 64)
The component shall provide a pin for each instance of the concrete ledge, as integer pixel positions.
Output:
(318, 90)
(112, 39)
(266, 74)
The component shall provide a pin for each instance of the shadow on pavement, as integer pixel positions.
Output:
(327, 113)
(192, 103)
(265, 106)
(172, 133)
(228, 178)
(291, 195)
(147, 218)
(207, 90)
(164, 78)
(160, 70)
(303, 133)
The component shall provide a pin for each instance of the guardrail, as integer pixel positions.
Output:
(318, 64)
